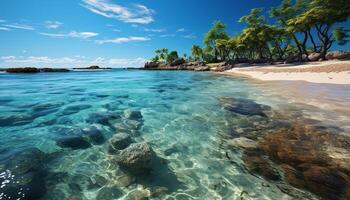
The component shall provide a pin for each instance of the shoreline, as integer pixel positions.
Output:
(327, 72)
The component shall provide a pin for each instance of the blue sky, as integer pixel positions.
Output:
(115, 33)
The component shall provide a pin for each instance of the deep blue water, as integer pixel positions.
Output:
(182, 119)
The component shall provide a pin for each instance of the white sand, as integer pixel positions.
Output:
(332, 72)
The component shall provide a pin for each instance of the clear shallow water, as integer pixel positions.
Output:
(183, 121)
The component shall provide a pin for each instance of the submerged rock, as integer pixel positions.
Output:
(74, 109)
(133, 115)
(158, 192)
(94, 135)
(118, 142)
(73, 142)
(108, 193)
(244, 106)
(45, 108)
(22, 173)
(312, 158)
(139, 194)
(243, 142)
(138, 156)
(256, 164)
(16, 119)
(125, 181)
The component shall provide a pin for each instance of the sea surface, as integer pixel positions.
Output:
(183, 120)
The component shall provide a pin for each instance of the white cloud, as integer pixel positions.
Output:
(123, 40)
(134, 25)
(72, 34)
(181, 30)
(53, 24)
(137, 14)
(5, 29)
(76, 61)
(19, 26)
(190, 36)
(168, 35)
(116, 30)
(154, 30)
(2, 20)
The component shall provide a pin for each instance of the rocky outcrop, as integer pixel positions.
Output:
(295, 58)
(177, 62)
(341, 55)
(314, 57)
(23, 70)
(137, 156)
(151, 65)
(54, 70)
(93, 67)
(35, 70)
(202, 68)
(312, 158)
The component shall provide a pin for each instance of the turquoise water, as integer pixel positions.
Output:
(182, 119)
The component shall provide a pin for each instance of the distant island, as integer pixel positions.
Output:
(37, 70)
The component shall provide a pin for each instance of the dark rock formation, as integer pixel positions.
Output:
(312, 158)
(177, 62)
(118, 142)
(133, 115)
(22, 173)
(74, 109)
(151, 65)
(54, 70)
(23, 70)
(137, 156)
(108, 193)
(243, 106)
(73, 142)
(16, 119)
(255, 163)
(35, 70)
(93, 67)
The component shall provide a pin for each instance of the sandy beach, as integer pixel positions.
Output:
(331, 72)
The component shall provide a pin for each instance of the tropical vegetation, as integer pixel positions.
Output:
(300, 28)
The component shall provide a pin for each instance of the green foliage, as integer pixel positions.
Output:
(218, 31)
(254, 18)
(172, 56)
(342, 35)
(302, 26)
(197, 52)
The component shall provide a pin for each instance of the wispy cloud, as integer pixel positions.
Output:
(72, 34)
(75, 61)
(4, 29)
(190, 36)
(2, 20)
(116, 30)
(19, 26)
(137, 14)
(123, 40)
(168, 35)
(53, 24)
(154, 30)
(181, 30)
